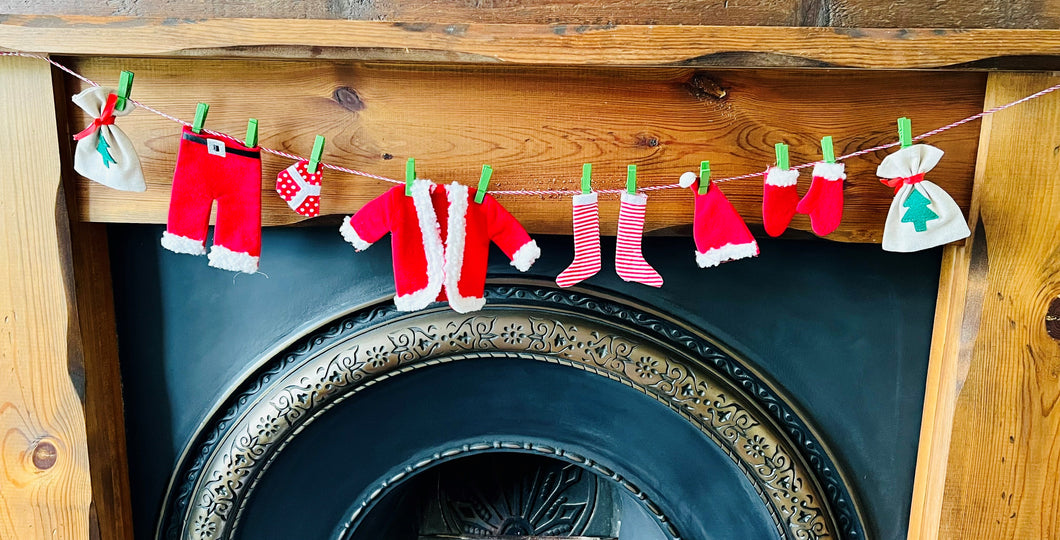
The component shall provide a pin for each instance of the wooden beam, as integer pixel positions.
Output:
(104, 404)
(536, 127)
(111, 516)
(1003, 476)
(849, 13)
(44, 470)
(586, 45)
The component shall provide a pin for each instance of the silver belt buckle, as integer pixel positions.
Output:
(215, 147)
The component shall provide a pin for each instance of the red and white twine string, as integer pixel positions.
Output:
(356, 172)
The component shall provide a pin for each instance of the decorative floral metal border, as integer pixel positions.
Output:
(794, 476)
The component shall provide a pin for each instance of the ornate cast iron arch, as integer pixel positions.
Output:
(776, 451)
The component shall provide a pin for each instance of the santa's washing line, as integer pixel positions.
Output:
(214, 166)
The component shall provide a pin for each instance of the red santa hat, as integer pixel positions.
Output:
(720, 233)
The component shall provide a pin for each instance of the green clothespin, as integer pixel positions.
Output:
(252, 133)
(828, 150)
(483, 183)
(631, 179)
(200, 117)
(782, 156)
(905, 132)
(587, 173)
(410, 175)
(314, 158)
(124, 89)
(704, 177)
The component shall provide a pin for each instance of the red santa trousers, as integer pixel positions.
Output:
(219, 170)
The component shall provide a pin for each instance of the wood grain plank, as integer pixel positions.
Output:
(845, 13)
(1003, 476)
(716, 12)
(597, 45)
(536, 127)
(44, 470)
(950, 14)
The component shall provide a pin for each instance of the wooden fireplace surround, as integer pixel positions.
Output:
(989, 456)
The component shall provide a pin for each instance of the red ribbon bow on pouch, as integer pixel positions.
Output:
(106, 118)
(897, 183)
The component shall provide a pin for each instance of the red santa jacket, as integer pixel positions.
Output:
(440, 240)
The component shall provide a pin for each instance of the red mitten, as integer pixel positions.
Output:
(779, 199)
(719, 231)
(824, 201)
(300, 188)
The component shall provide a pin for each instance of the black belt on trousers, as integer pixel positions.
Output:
(228, 149)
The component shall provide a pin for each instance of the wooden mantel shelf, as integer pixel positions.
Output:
(538, 44)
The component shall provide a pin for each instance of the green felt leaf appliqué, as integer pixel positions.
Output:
(104, 150)
(919, 213)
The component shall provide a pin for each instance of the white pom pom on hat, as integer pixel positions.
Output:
(688, 178)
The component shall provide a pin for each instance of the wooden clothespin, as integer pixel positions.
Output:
(318, 150)
(828, 150)
(631, 179)
(410, 175)
(587, 173)
(200, 117)
(483, 183)
(124, 89)
(905, 132)
(704, 177)
(252, 133)
(782, 156)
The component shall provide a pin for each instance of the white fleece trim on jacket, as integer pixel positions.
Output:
(524, 257)
(455, 243)
(350, 235)
(432, 250)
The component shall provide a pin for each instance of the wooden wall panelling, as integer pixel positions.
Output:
(583, 45)
(1003, 475)
(44, 470)
(850, 13)
(536, 127)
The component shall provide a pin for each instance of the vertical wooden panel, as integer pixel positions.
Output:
(104, 406)
(44, 477)
(96, 337)
(1003, 477)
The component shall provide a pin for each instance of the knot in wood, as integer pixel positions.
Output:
(348, 98)
(44, 455)
(703, 87)
(1052, 319)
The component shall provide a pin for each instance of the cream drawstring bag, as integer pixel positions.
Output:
(104, 153)
(922, 214)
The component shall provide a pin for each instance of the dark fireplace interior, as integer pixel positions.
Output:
(778, 397)
(509, 495)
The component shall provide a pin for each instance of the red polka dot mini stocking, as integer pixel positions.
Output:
(300, 188)
(629, 261)
(586, 241)
(824, 201)
(779, 199)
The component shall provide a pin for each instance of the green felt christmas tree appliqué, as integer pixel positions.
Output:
(104, 150)
(919, 213)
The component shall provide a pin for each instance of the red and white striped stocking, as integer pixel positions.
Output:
(629, 261)
(586, 241)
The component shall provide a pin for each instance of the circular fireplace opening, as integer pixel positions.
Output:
(510, 496)
(326, 434)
